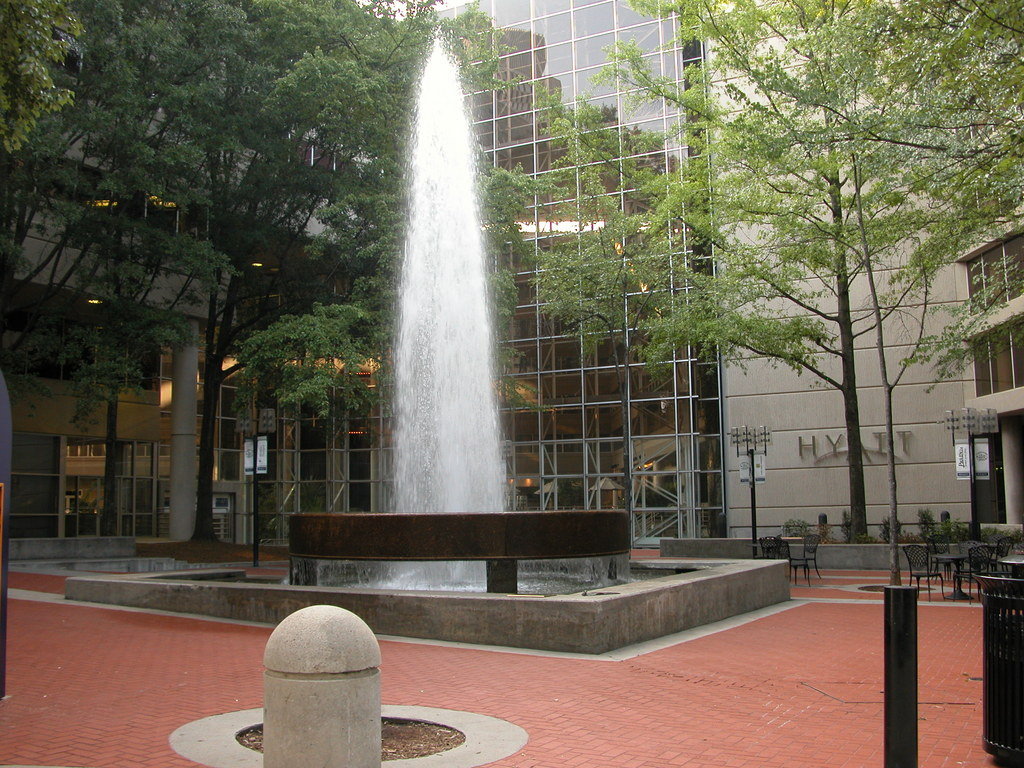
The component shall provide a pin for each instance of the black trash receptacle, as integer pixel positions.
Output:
(1003, 639)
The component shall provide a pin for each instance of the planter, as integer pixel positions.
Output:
(843, 557)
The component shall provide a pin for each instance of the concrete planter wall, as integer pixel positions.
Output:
(91, 548)
(844, 557)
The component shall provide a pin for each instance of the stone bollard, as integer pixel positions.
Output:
(321, 691)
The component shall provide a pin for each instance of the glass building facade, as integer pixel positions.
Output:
(566, 441)
(567, 434)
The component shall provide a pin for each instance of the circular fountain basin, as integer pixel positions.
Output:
(524, 552)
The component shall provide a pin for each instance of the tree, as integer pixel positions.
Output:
(96, 206)
(604, 282)
(33, 37)
(303, 135)
(109, 358)
(805, 209)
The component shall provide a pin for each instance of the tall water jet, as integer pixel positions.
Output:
(446, 441)
(447, 444)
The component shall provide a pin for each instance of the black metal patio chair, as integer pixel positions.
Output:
(921, 566)
(980, 562)
(771, 547)
(807, 557)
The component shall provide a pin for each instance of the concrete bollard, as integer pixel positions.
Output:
(321, 691)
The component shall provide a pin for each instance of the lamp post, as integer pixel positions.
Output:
(971, 455)
(753, 443)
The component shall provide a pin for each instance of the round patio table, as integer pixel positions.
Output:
(957, 560)
(1016, 563)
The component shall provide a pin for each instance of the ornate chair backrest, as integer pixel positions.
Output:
(917, 556)
(811, 542)
(938, 544)
(979, 558)
(770, 546)
(1003, 546)
(783, 550)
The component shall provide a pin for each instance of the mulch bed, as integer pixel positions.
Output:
(400, 739)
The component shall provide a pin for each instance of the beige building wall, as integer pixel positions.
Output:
(807, 461)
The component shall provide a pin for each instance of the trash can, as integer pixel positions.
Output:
(1003, 668)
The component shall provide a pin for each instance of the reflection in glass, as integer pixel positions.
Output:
(552, 29)
(593, 19)
(592, 52)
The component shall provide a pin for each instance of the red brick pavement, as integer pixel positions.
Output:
(802, 689)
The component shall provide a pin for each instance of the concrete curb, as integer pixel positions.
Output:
(211, 740)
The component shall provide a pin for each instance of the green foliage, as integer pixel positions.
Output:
(796, 527)
(239, 157)
(846, 526)
(991, 534)
(952, 530)
(825, 532)
(317, 360)
(29, 48)
(816, 176)
(885, 530)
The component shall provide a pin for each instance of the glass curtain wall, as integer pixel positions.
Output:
(565, 433)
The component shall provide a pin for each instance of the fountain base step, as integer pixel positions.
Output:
(549, 576)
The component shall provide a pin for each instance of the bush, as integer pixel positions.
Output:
(825, 532)
(795, 527)
(847, 525)
(991, 534)
(952, 530)
(883, 530)
(926, 522)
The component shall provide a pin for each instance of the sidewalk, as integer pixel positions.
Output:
(103, 688)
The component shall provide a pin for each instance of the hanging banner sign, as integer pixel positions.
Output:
(745, 469)
(760, 468)
(247, 455)
(261, 454)
(981, 462)
(962, 458)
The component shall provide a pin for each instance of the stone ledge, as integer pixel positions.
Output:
(590, 623)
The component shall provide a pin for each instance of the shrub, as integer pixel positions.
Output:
(883, 530)
(795, 527)
(926, 521)
(825, 532)
(953, 530)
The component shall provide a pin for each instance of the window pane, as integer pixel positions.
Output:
(593, 19)
(591, 52)
(552, 29)
(33, 495)
(36, 454)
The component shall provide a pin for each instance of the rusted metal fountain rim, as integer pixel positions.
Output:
(472, 536)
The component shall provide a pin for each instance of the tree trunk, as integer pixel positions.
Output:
(203, 530)
(851, 405)
(108, 516)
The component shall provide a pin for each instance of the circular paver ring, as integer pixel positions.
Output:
(211, 741)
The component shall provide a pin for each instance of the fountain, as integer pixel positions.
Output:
(422, 569)
(448, 529)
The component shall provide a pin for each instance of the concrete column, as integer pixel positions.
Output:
(321, 692)
(1013, 468)
(184, 376)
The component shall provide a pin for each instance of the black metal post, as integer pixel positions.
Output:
(753, 503)
(975, 525)
(900, 677)
(255, 508)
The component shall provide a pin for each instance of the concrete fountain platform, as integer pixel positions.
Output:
(591, 622)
